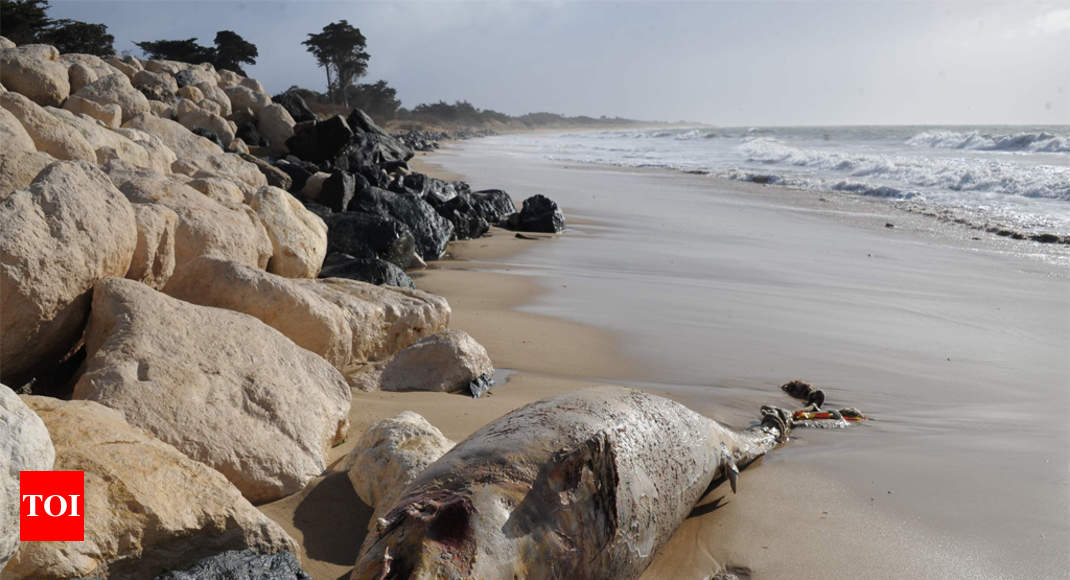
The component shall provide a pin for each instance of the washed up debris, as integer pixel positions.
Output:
(481, 385)
(812, 415)
(804, 391)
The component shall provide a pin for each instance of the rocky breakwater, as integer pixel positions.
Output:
(382, 218)
(168, 326)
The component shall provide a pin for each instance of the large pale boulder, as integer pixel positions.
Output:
(229, 78)
(156, 86)
(116, 89)
(24, 446)
(148, 507)
(350, 324)
(98, 65)
(160, 158)
(192, 93)
(193, 117)
(446, 362)
(216, 94)
(224, 388)
(298, 236)
(80, 75)
(389, 456)
(197, 154)
(49, 134)
(154, 258)
(276, 124)
(243, 97)
(312, 322)
(5, 43)
(69, 230)
(35, 73)
(225, 192)
(109, 144)
(19, 168)
(128, 69)
(252, 84)
(12, 134)
(205, 227)
(160, 65)
(162, 109)
(197, 74)
(314, 185)
(110, 114)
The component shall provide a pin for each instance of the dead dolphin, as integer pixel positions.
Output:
(584, 485)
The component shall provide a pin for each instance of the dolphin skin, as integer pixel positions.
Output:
(584, 485)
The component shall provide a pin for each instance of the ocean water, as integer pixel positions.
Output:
(1015, 178)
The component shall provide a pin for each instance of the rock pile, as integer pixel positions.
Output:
(182, 259)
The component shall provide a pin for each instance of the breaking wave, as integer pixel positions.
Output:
(895, 175)
(1040, 142)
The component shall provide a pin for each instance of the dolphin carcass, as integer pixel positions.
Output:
(584, 485)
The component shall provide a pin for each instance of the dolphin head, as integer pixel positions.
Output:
(422, 537)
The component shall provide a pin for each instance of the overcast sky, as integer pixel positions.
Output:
(728, 63)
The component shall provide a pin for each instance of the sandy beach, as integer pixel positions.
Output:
(954, 347)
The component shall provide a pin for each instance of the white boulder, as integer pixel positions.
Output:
(221, 386)
(24, 446)
(67, 231)
(298, 236)
(447, 362)
(148, 507)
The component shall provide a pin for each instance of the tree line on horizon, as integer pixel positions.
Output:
(339, 48)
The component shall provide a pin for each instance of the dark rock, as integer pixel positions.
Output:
(371, 270)
(763, 179)
(391, 148)
(242, 565)
(365, 235)
(184, 77)
(493, 204)
(433, 191)
(481, 385)
(889, 225)
(338, 190)
(247, 132)
(539, 214)
(295, 106)
(431, 231)
(321, 210)
(418, 140)
(209, 135)
(242, 115)
(467, 223)
(299, 172)
(374, 176)
(275, 176)
(320, 140)
(1045, 238)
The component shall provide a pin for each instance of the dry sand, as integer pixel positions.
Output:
(542, 356)
(963, 472)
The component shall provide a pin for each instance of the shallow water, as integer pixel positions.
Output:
(1015, 177)
(957, 349)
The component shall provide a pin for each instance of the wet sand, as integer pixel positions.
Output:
(963, 471)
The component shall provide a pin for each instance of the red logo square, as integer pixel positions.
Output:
(51, 506)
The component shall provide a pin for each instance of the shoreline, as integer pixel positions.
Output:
(327, 518)
(810, 485)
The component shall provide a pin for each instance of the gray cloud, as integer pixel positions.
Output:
(718, 62)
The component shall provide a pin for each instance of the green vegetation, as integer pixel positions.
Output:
(339, 47)
(229, 52)
(25, 22)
